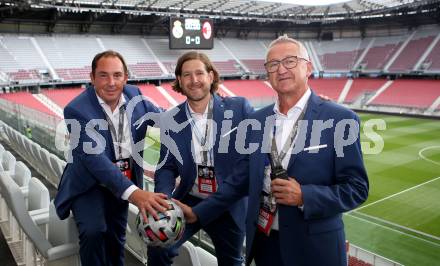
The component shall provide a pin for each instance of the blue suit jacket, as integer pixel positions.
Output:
(165, 177)
(89, 170)
(330, 186)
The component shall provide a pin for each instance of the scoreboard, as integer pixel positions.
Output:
(191, 33)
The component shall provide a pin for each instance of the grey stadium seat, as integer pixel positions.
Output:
(59, 248)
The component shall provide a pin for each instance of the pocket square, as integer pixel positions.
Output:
(311, 148)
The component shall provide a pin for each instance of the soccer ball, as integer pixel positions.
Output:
(163, 232)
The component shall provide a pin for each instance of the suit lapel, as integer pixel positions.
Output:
(218, 112)
(184, 141)
(311, 114)
(265, 142)
(98, 113)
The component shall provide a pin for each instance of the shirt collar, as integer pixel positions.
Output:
(192, 112)
(121, 102)
(299, 105)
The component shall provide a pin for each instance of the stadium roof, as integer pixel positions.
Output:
(239, 9)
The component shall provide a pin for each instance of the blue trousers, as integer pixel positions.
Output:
(101, 219)
(224, 233)
(266, 249)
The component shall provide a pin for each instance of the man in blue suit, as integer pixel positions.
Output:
(301, 176)
(203, 162)
(101, 176)
(309, 178)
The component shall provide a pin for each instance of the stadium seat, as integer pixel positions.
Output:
(57, 249)
(56, 165)
(134, 244)
(22, 176)
(205, 257)
(187, 256)
(38, 198)
(2, 150)
(8, 163)
(49, 173)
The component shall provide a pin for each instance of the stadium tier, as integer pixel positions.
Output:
(251, 89)
(62, 97)
(401, 93)
(411, 54)
(353, 261)
(362, 86)
(340, 55)
(155, 95)
(175, 96)
(31, 59)
(144, 70)
(409, 93)
(332, 88)
(377, 56)
(26, 99)
(254, 65)
(432, 61)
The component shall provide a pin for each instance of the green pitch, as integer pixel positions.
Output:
(401, 218)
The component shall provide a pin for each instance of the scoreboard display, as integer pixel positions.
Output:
(191, 33)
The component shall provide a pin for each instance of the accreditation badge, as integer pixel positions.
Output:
(268, 205)
(124, 166)
(206, 179)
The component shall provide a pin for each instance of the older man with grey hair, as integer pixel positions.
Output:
(307, 169)
(308, 174)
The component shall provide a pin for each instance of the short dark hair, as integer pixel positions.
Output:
(194, 55)
(108, 53)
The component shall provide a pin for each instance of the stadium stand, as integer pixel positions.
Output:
(340, 55)
(381, 51)
(62, 96)
(251, 53)
(256, 91)
(353, 261)
(69, 55)
(177, 97)
(362, 86)
(409, 93)
(72, 74)
(332, 88)
(60, 57)
(154, 95)
(26, 99)
(433, 59)
(20, 58)
(410, 54)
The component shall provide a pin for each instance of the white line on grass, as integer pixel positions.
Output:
(426, 159)
(398, 225)
(398, 193)
(395, 230)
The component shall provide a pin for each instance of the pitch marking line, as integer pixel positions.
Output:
(395, 230)
(424, 157)
(396, 194)
(398, 226)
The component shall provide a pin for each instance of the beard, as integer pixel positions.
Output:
(197, 94)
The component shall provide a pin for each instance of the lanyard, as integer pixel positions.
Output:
(203, 140)
(118, 138)
(275, 158)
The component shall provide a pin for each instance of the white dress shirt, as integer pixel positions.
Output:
(125, 143)
(200, 121)
(284, 124)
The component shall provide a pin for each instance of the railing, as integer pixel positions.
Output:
(43, 126)
(370, 257)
